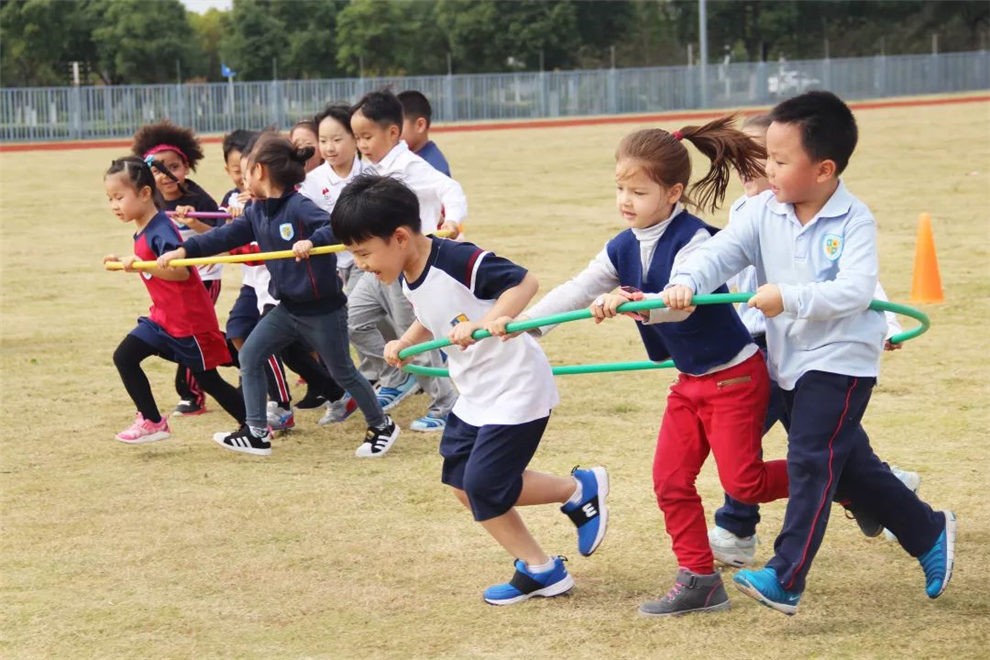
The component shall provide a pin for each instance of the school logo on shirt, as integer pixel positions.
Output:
(832, 245)
(286, 231)
(460, 318)
(145, 274)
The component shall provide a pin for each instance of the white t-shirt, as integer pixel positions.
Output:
(323, 186)
(499, 382)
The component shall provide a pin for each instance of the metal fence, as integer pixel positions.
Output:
(61, 113)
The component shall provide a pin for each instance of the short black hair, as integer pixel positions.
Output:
(415, 105)
(828, 128)
(381, 107)
(373, 206)
(237, 140)
(338, 112)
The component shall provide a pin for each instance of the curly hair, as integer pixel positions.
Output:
(168, 136)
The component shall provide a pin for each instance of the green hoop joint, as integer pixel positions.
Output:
(639, 305)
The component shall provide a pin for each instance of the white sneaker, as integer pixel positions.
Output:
(378, 440)
(910, 479)
(732, 550)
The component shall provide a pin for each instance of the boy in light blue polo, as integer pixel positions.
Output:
(814, 248)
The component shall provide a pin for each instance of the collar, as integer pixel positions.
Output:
(334, 179)
(836, 206)
(653, 233)
(393, 155)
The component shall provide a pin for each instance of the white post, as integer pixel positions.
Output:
(703, 50)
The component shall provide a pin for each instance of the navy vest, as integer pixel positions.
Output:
(712, 335)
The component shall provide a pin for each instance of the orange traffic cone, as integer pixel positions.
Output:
(926, 286)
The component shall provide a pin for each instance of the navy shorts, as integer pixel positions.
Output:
(244, 314)
(487, 462)
(202, 352)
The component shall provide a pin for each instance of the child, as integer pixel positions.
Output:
(246, 312)
(814, 246)
(174, 151)
(733, 538)
(323, 185)
(304, 134)
(507, 389)
(181, 325)
(416, 118)
(718, 400)
(312, 305)
(377, 122)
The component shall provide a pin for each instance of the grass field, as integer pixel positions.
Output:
(180, 549)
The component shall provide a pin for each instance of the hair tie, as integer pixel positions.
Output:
(158, 148)
(678, 135)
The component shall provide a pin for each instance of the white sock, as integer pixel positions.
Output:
(542, 568)
(575, 498)
(259, 433)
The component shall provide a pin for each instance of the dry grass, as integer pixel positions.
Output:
(180, 549)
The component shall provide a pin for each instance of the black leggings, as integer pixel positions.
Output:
(128, 357)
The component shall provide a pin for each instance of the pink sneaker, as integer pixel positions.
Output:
(143, 431)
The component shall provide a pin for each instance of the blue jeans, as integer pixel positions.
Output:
(327, 333)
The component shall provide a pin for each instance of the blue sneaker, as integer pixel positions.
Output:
(764, 587)
(590, 515)
(937, 562)
(429, 423)
(525, 584)
(390, 397)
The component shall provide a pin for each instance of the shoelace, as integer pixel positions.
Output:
(674, 591)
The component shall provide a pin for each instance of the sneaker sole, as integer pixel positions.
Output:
(721, 607)
(950, 550)
(556, 589)
(733, 561)
(423, 429)
(601, 476)
(145, 439)
(385, 450)
(243, 450)
(757, 595)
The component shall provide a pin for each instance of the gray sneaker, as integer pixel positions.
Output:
(691, 593)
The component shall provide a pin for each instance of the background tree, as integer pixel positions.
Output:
(390, 38)
(140, 41)
(39, 39)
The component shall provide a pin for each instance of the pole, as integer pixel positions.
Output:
(612, 54)
(703, 51)
(450, 65)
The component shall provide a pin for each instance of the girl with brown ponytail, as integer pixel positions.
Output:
(718, 401)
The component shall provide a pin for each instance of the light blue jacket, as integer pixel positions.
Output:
(827, 274)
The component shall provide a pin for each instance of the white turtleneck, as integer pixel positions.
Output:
(600, 276)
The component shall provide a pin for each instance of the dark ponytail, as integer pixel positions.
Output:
(284, 162)
(728, 149)
(665, 159)
(139, 174)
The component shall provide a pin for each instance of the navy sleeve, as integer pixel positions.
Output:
(495, 275)
(316, 221)
(163, 237)
(227, 237)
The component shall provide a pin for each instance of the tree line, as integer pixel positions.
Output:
(160, 41)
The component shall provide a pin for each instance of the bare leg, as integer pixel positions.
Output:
(511, 533)
(542, 488)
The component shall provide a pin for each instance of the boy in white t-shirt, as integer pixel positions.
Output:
(377, 124)
(506, 387)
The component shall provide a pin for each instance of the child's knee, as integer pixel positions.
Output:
(461, 496)
(490, 494)
(674, 487)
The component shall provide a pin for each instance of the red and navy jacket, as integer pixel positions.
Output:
(310, 286)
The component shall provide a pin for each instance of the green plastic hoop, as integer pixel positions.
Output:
(655, 303)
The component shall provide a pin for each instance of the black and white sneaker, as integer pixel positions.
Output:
(244, 441)
(377, 441)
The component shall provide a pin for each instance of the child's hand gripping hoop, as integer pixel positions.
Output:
(653, 303)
